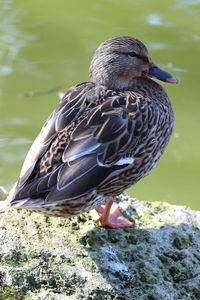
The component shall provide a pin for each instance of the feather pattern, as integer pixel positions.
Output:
(96, 143)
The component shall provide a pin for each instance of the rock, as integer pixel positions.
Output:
(3, 193)
(54, 258)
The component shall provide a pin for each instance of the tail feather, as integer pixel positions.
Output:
(9, 202)
(27, 203)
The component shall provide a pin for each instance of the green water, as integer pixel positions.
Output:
(47, 43)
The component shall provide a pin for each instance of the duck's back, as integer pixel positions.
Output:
(95, 144)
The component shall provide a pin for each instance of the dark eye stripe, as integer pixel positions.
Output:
(134, 54)
(144, 58)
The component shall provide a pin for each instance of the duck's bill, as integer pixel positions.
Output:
(156, 72)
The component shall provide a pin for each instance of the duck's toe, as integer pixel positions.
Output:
(110, 216)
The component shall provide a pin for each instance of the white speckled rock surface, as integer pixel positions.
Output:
(55, 258)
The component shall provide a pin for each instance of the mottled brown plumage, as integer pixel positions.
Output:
(104, 136)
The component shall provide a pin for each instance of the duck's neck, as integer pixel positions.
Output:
(112, 81)
(149, 88)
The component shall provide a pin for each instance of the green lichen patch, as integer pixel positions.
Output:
(100, 294)
(7, 293)
(180, 242)
(46, 271)
(15, 258)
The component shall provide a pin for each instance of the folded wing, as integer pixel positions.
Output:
(104, 132)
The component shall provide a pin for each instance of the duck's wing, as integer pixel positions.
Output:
(100, 144)
(70, 107)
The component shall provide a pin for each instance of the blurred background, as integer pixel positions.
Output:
(45, 44)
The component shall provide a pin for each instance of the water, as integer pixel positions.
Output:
(44, 44)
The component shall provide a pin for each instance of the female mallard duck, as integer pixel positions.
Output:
(104, 136)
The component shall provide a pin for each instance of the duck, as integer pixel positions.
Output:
(104, 136)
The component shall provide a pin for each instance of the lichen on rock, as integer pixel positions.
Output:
(55, 258)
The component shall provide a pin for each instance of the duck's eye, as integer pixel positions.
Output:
(132, 54)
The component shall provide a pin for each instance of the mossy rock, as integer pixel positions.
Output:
(55, 258)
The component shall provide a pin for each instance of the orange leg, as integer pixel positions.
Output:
(109, 215)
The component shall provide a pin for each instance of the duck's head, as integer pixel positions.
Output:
(119, 60)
